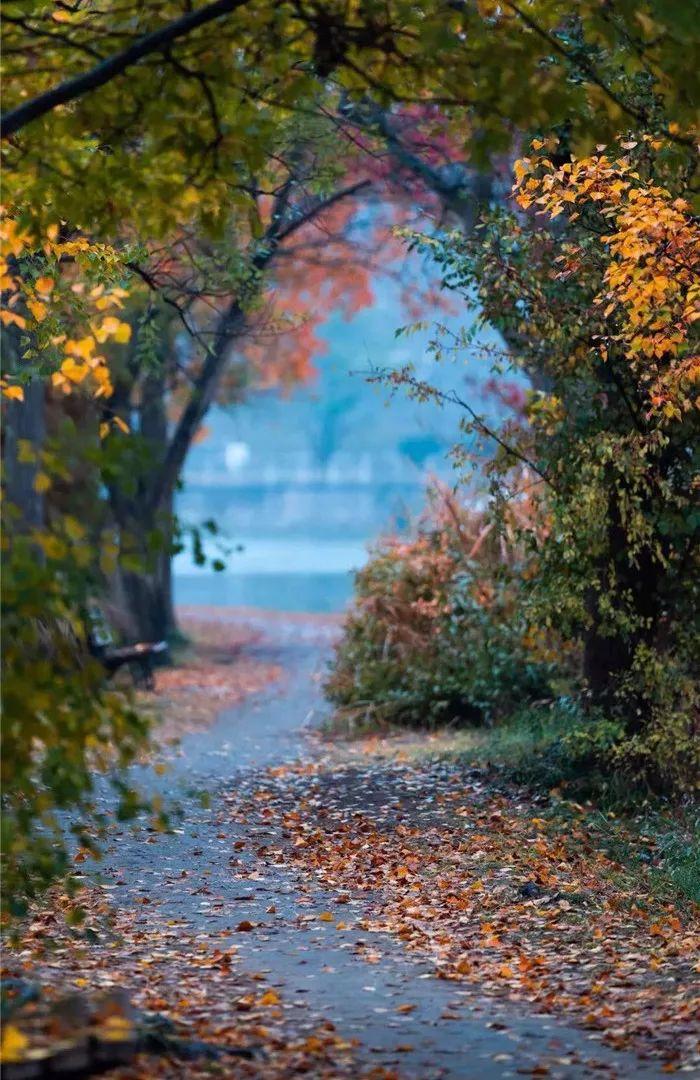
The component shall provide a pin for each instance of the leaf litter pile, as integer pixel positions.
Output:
(505, 902)
(201, 1013)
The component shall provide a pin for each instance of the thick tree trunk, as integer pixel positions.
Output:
(23, 421)
(142, 596)
(147, 597)
(607, 658)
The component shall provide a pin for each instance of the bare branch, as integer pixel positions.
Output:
(451, 397)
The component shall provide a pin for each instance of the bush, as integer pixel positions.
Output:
(61, 722)
(599, 310)
(436, 635)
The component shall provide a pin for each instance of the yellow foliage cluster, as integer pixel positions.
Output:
(652, 278)
(29, 302)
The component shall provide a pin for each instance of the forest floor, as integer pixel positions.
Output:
(347, 908)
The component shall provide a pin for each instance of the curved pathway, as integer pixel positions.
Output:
(205, 873)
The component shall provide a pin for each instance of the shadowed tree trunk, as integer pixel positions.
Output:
(146, 593)
(142, 501)
(142, 588)
(23, 421)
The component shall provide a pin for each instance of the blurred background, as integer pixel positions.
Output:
(299, 483)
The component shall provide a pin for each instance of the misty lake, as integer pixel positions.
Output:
(300, 485)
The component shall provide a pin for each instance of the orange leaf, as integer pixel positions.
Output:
(270, 997)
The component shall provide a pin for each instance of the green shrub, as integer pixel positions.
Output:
(599, 310)
(435, 635)
(61, 723)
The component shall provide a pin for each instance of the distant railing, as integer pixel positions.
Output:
(363, 471)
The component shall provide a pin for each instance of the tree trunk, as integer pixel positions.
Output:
(146, 594)
(141, 592)
(608, 658)
(24, 421)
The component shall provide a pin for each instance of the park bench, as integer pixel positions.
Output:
(139, 657)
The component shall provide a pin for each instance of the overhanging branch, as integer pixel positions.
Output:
(15, 119)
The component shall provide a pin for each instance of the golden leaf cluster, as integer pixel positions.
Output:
(651, 294)
(30, 301)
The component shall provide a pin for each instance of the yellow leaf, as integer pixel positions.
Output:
(326, 916)
(26, 452)
(44, 284)
(115, 1028)
(42, 483)
(85, 347)
(15, 393)
(73, 527)
(74, 371)
(37, 309)
(112, 327)
(14, 1043)
(270, 997)
(313, 1044)
(190, 196)
(123, 334)
(121, 424)
(9, 317)
(521, 168)
(52, 547)
(110, 324)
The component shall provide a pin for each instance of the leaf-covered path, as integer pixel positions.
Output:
(308, 907)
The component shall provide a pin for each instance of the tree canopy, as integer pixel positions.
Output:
(137, 114)
(176, 174)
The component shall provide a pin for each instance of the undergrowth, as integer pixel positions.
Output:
(654, 838)
(655, 841)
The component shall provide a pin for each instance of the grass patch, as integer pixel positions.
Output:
(661, 846)
(654, 839)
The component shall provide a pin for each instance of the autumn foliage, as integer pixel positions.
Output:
(59, 295)
(650, 293)
(497, 899)
(595, 286)
(156, 261)
(435, 635)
